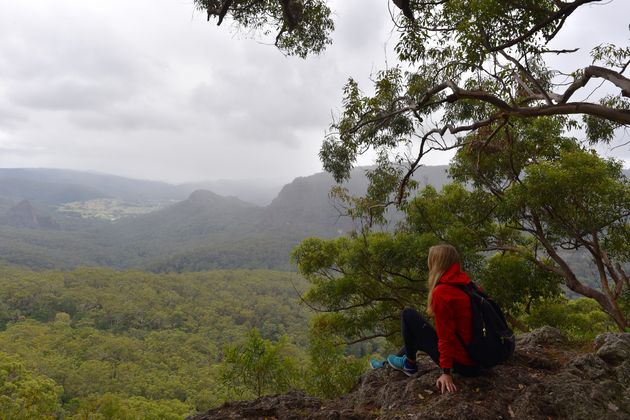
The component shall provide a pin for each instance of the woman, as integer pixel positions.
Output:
(451, 309)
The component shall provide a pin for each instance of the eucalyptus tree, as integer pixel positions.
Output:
(546, 198)
(466, 66)
(476, 75)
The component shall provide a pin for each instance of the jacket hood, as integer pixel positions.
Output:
(455, 275)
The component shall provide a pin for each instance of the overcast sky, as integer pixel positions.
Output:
(149, 89)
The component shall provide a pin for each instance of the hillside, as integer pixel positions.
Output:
(203, 230)
(546, 379)
(98, 185)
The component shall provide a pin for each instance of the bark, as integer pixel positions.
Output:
(572, 282)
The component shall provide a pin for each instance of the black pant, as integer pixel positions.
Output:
(419, 335)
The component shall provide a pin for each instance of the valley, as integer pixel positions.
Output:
(103, 220)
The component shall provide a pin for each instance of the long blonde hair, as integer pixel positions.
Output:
(441, 257)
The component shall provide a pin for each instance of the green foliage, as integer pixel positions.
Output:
(258, 367)
(269, 19)
(114, 407)
(25, 394)
(536, 196)
(330, 372)
(550, 201)
(579, 320)
(364, 282)
(518, 284)
(222, 305)
(121, 343)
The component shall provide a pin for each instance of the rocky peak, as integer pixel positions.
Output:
(545, 379)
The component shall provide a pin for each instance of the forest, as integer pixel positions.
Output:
(210, 298)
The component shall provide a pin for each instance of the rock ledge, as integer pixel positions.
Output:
(545, 379)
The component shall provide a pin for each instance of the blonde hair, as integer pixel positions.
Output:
(441, 258)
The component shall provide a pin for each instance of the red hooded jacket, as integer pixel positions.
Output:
(453, 314)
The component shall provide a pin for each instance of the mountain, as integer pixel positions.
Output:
(56, 186)
(304, 205)
(23, 215)
(44, 192)
(100, 185)
(203, 213)
(256, 191)
(202, 230)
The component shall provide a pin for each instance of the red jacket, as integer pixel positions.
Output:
(452, 311)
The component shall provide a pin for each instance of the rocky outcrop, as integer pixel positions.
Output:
(546, 378)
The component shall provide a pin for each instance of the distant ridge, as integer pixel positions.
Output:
(200, 230)
(101, 185)
(23, 215)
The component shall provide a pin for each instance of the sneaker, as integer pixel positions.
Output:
(377, 364)
(401, 363)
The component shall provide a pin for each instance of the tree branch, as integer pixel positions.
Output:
(565, 9)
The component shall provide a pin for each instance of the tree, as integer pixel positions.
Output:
(360, 284)
(300, 27)
(544, 204)
(518, 285)
(25, 395)
(330, 372)
(473, 66)
(474, 74)
(544, 197)
(258, 367)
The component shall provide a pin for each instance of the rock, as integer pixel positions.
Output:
(623, 373)
(542, 381)
(544, 336)
(613, 348)
(286, 406)
(589, 366)
(534, 358)
(567, 397)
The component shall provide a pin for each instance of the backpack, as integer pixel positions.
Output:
(492, 341)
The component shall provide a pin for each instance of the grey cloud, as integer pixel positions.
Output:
(70, 94)
(142, 89)
(129, 119)
(10, 117)
(271, 104)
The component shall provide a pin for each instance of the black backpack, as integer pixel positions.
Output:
(492, 340)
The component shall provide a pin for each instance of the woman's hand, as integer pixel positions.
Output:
(445, 383)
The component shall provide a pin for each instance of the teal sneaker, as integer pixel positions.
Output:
(377, 364)
(401, 363)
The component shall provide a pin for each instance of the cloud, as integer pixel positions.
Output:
(269, 103)
(68, 94)
(148, 88)
(10, 117)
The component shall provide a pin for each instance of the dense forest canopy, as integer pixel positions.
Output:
(94, 335)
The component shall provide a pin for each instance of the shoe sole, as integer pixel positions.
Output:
(404, 371)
